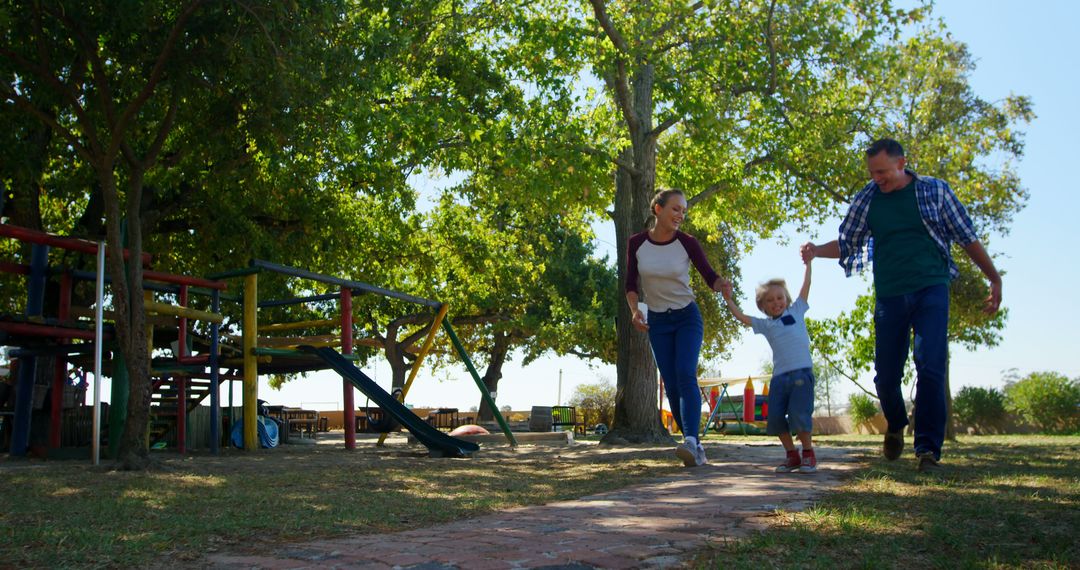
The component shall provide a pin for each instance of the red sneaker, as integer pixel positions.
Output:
(791, 464)
(809, 462)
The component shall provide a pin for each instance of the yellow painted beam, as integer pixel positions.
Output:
(316, 340)
(178, 311)
(278, 327)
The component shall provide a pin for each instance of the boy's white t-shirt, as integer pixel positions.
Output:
(787, 337)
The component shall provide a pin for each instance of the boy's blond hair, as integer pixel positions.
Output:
(764, 288)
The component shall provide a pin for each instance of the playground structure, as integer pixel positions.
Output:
(725, 407)
(181, 379)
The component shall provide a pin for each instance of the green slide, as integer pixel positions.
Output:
(438, 443)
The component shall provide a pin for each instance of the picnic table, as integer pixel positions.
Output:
(447, 418)
(295, 420)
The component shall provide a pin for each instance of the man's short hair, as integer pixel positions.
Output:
(891, 148)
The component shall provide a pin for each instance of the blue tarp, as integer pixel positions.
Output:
(268, 433)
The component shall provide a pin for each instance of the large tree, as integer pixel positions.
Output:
(741, 105)
(517, 281)
(949, 133)
(198, 123)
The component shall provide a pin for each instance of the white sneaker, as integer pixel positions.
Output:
(686, 454)
(702, 460)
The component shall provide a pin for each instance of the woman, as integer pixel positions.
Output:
(658, 272)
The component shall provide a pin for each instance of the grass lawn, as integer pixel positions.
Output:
(1002, 502)
(66, 513)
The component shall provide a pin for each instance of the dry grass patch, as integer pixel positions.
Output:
(71, 514)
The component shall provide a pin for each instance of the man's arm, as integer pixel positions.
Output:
(726, 290)
(830, 250)
(978, 254)
(804, 293)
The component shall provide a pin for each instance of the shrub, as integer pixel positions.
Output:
(1048, 400)
(861, 408)
(595, 403)
(981, 408)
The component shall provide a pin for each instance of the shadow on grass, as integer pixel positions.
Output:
(995, 505)
(74, 515)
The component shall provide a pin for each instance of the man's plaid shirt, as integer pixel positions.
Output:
(942, 214)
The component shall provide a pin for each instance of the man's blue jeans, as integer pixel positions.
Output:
(676, 337)
(926, 313)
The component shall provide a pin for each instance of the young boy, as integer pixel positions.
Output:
(791, 390)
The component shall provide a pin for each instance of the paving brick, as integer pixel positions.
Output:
(653, 525)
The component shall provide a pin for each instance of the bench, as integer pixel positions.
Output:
(444, 418)
(303, 422)
(563, 417)
(370, 419)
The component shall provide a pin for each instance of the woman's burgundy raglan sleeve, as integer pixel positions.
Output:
(697, 257)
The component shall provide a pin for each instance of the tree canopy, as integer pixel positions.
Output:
(298, 132)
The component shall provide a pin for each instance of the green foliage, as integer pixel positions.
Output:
(595, 402)
(1048, 400)
(981, 408)
(861, 408)
(950, 133)
(845, 343)
(826, 379)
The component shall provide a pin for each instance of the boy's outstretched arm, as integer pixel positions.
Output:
(726, 290)
(804, 293)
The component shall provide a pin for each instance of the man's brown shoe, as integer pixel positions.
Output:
(927, 462)
(894, 445)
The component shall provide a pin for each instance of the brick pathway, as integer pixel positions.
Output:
(655, 525)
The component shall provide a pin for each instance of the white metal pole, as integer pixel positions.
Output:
(558, 399)
(99, 315)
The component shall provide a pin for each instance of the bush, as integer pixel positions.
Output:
(1048, 400)
(595, 403)
(980, 408)
(861, 408)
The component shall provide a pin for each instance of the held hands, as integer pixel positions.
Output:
(727, 290)
(808, 252)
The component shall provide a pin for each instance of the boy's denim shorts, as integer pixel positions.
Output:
(791, 402)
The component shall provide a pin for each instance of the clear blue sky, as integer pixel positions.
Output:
(1021, 47)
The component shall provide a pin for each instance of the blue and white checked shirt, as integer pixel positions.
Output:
(942, 214)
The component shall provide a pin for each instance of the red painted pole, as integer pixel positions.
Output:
(43, 238)
(346, 348)
(16, 268)
(60, 366)
(30, 329)
(181, 382)
(183, 280)
(181, 414)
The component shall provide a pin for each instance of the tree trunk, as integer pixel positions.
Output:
(24, 209)
(133, 452)
(399, 368)
(493, 374)
(637, 419)
(130, 315)
(396, 351)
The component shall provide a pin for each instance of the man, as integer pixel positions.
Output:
(905, 223)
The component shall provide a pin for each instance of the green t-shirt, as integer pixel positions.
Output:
(906, 259)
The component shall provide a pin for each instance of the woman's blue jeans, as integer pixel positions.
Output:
(926, 314)
(676, 337)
